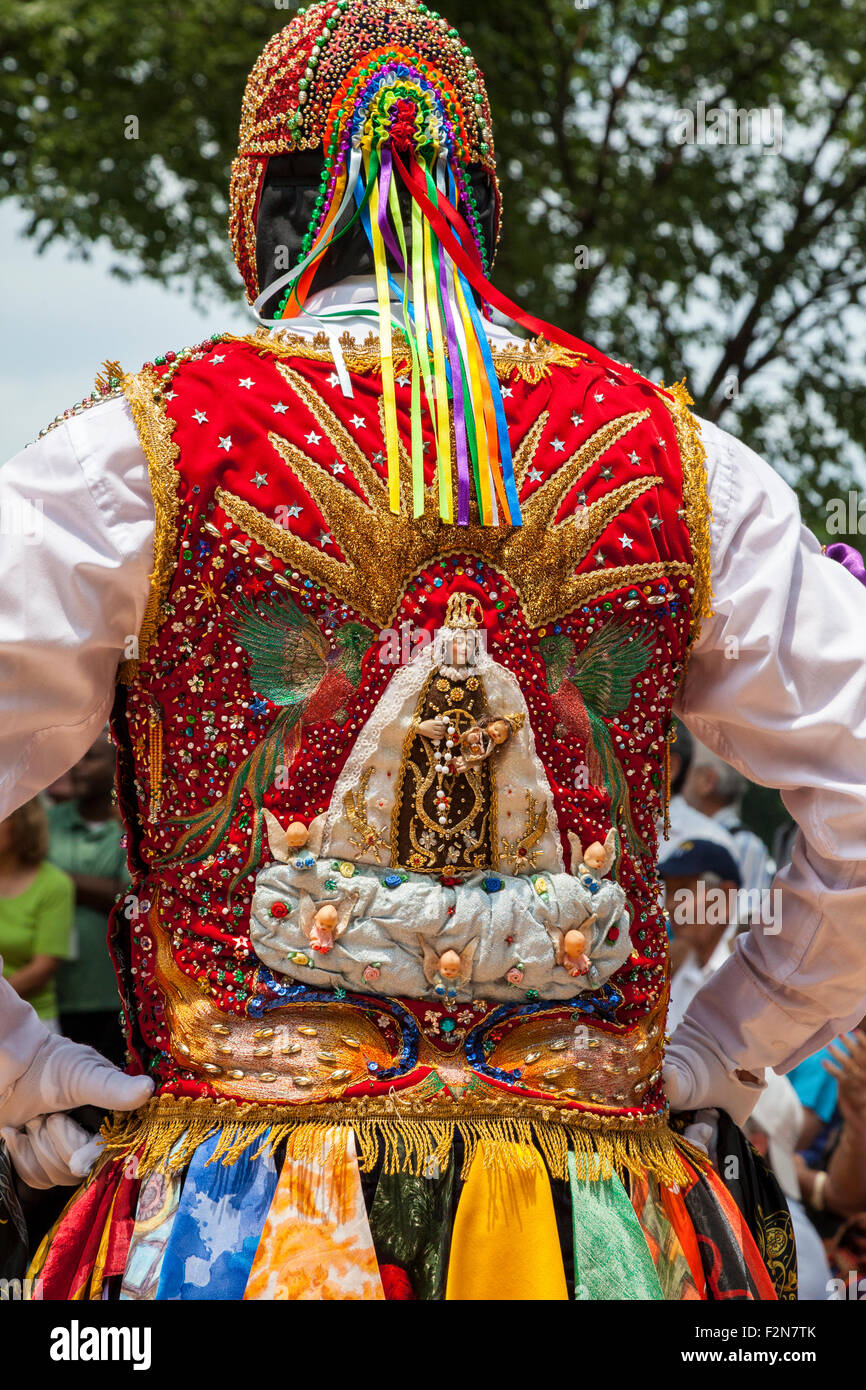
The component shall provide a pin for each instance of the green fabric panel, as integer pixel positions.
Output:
(411, 1220)
(611, 1257)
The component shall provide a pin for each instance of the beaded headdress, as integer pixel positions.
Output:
(393, 99)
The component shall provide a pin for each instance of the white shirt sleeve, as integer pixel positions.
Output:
(77, 523)
(776, 685)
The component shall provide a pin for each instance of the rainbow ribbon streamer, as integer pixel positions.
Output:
(397, 138)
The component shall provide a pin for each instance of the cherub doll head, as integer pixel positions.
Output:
(499, 730)
(594, 856)
(597, 858)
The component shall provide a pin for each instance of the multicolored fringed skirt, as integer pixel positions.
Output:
(204, 1200)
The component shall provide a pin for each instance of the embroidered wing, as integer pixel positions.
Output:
(352, 641)
(288, 653)
(607, 667)
(557, 650)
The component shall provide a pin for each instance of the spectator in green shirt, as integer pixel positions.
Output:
(36, 904)
(86, 842)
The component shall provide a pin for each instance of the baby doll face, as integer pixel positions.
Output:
(449, 965)
(499, 730)
(594, 855)
(473, 739)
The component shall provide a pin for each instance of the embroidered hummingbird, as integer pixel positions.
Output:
(593, 685)
(294, 666)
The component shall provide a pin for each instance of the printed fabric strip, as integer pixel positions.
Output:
(154, 1218)
(316, 1243)
(673, 1269)
(675, 1209)
(505, 1244)
(217, 1226)
(756, 1191)
(64, 1262)
(410, 1220)
(13, 1228)
(111, 1256)
(732, 1261)
(612, 1259)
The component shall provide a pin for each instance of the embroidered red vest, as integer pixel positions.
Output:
(391, 785)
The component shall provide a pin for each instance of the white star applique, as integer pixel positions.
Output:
(170, 395)
(325, 538)
(294, 510)
(507, 392)
(634, 458)
(313, 438)
(337, 467)
(333, 379)
(655, 522)
(357, 421)
(379, 457)
(626, 542)
(246, 382)
(403, 380)
(279, 408)
(599, 396)
(576, 419)
(226, 442)
(599, 559)
(534, 475)
(216, 358)
(557, 445)
(260, 479)
(661, 443)
(199, 417)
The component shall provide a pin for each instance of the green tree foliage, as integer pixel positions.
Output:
(736, 264)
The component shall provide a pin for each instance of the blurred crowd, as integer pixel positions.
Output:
(809, 1125)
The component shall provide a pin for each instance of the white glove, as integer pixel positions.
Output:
(64, 1075)
(698, 1076)
(51, 1151)
(703, 1132)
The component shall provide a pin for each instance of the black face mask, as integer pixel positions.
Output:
(291, 186)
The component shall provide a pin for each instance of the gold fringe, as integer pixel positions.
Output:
(166, 1132)
(696, 501)
(154, 430)
(109, 378)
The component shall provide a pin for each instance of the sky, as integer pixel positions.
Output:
(63, 317)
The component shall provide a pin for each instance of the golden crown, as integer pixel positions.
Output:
(463, 611)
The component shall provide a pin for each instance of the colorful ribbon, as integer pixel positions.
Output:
(316, 1241)
(217, 1226)
(505, 1245)
(611, 1257)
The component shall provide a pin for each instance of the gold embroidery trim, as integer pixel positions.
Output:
(154, 430)
(697, 503)
(165, 1133)
(531, 361)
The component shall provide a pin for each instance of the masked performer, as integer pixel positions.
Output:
(462, 1004)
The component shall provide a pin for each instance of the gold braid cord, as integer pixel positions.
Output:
(530, 361)
(154, 431)
(696, 500)
(166, 1132)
